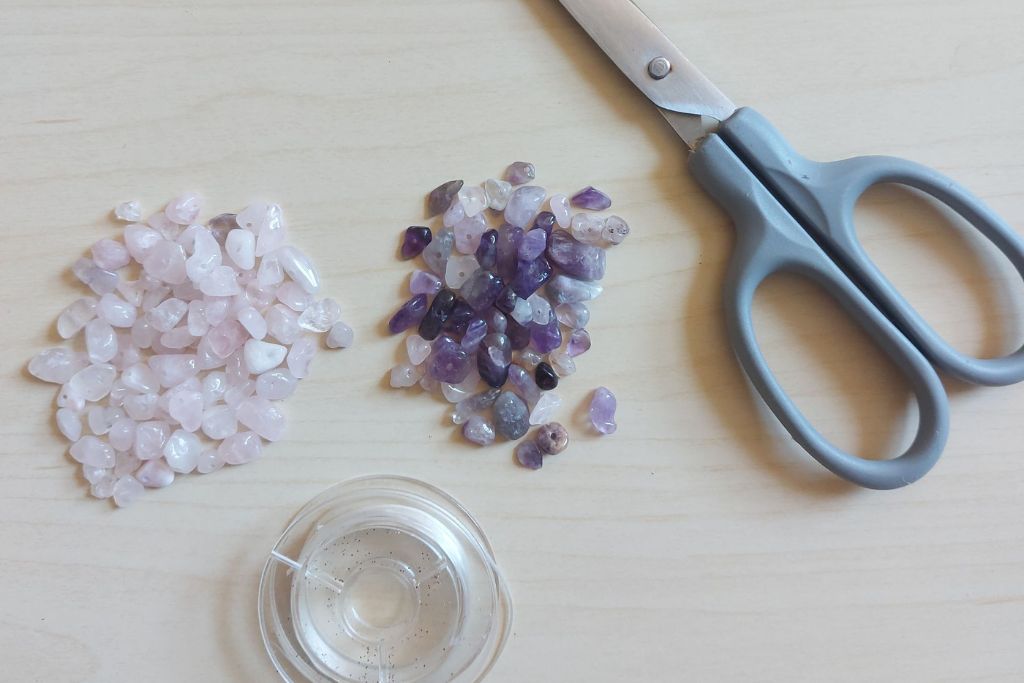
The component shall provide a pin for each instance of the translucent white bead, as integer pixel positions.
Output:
(100, 341)
(235, 368)
(181, 451)
(299, 268)
(261, 356)
(57, 365)
(150, 438)
(321, 316)
(153, 297)
(541, 309)
(173, 369)
(294, 297)
(562, 362)
(187, 408)
(276, 385)
(241, 448)
(214, 385)
(498, 193)
(110, 255)
(341, 336)
(92, 383)
(459, 269)
(240, 246)
(300, 356)
(210, 460)
(222, 281)
(128, 211)
(139, 240)
(417, 348)
(166, 261)
(219, 422)
(547, 405)
(283, 324)
(184, 209)
(523, 312)
(98, 280)
(405, 375)
(116, 311)
(155, 474)
(474, 200)
(122, 434)
(90, 450)
(141, 407)
(69, 423)
(217, 309)
(126, 491)
(104, 487)
(226, 338)
(73, 318)
(615, 230)
(560, 208)
(253, 322)
(588, 228)
(270, 272)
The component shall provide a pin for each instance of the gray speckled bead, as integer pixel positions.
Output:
(511, 416)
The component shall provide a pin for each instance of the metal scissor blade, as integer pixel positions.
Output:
(633, 42)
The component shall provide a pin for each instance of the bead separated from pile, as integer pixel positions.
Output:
(188, 352)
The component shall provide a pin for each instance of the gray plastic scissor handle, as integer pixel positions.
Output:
(824, 195)
(769, 240)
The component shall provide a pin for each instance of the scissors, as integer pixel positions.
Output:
(796, 215)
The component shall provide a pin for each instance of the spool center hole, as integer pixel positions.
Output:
(379, 599)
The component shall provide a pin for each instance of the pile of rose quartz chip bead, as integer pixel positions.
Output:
(194, 336)
(501, 312)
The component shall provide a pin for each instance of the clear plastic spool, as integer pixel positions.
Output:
(383, 580)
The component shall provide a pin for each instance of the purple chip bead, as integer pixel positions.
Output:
(493, 359)
(476, 330)
(577, 260)
(591, 198)
(518, 335)
(449, 362)
(533, 245)
(579, 343)
(415, 241)
(529, 456)
(410, 314)
(531, 276)
(441, 197)
(602, 411)
(520, 173)
(509, 238)
(546, 338)
(487, 252)
(423, 282)
(496, 321)
(481, 290)
(459, 318)
(545, 221)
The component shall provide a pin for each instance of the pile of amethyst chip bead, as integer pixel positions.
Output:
(499, 313)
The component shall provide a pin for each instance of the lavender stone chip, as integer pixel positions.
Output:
(487, 252)
(524, 205)
(511, 416)
(531, 276)
(545, 221)
(528, 454)
(509, 238)
(602, 411)
(415, 241)
(496, 321)
(579, 343)
(459, 318)
(441, 197)
(577, 260)
(546, 338)
(423, 282)
(450, 363)
(591, 198)
(566, 290)
(476, 330)
(533, 245)
(520, 173)
(524, 384)
(479, 431)
(410, 314)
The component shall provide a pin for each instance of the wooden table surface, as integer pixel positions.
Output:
(698, 543)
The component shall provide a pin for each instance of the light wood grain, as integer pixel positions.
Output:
(696, 544)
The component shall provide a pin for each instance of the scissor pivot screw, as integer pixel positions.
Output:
(659, 68)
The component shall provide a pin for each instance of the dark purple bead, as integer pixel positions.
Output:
(591, 198)
(506, 301)
(460, 317)
(545, 377)
(411, 313)
(518, 334)
(531, 276)
(577, 260)
(437, 315)
(441, 197)
(509, 238)
(546, 222)
(496, 321)
(546, 338)
(487, 252)
(493, 359)
(415, 241)
(481, 290)
(449, 362)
